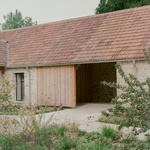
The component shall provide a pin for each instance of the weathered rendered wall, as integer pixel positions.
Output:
(142, 70)
(10, 73)
(56, 86)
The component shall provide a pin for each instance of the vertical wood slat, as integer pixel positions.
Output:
(84, 83)
(2, 69)
(56, 86)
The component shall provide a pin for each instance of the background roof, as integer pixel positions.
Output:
(2, 53)
(111, 36)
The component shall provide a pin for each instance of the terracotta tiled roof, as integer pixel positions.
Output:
(2, 53)
(112, 36)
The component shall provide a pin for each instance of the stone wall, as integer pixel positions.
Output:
(142, 70)
(103, 72)
(10, 73)
(100, 72)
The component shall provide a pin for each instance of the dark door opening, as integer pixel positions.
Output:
(88, 82)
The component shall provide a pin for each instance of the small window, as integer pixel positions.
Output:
(19, 86)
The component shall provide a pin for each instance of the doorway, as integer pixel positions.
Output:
(88, 82)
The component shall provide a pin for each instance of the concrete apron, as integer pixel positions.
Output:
(84, 115)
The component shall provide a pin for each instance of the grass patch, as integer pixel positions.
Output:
(109, 119)
(110, 132)
(42, 135)
(16, 109)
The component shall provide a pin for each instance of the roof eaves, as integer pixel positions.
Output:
(76, 63)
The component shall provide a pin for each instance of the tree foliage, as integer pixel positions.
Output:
(5, 90)
(16, 20)
(113, 5)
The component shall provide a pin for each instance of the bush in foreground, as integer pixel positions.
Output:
(136, 95)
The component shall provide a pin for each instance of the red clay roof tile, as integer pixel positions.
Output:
(3, 46)
(106, 37)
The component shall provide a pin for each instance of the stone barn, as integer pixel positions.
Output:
(62, 63)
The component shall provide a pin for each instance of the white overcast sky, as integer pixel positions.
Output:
(44, 11)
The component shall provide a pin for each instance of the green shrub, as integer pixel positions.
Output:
(5, 90)
(46, 110)
(109, 132)
(110, 119)
(35, 132)
(31, 123)
(16, 142)
(10, 109)
(65, 143)
(37, 147)
(10, 142)
(62, 129)
(42, 137)
(137, 95)
(129, 142)
(92, 136)
(81, 133)
(98, 144)
(48, 137)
